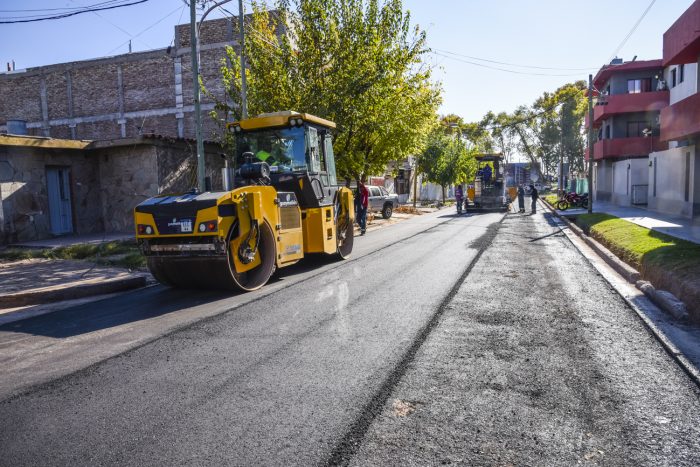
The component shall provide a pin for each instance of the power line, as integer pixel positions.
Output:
(149, 27)
(532, 116)
(512, 64)
(116, 26)
(73, 13)
(517, 72)
(634, 28)
(60, 9)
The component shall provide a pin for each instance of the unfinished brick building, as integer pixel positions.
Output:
(123, 96)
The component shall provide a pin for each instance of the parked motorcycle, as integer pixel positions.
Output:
(572, 200)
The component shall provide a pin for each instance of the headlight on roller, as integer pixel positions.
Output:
(208, 226)
(144, 229)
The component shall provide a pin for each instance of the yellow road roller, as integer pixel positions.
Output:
(285, 203)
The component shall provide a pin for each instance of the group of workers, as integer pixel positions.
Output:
(534, 195)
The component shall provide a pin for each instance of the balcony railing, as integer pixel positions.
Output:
(626, 103)
(681, 119)
(620, 148)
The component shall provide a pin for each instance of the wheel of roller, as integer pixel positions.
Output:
(344, 233)
(258, 276)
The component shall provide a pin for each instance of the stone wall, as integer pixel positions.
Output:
(24, 195)
(128, 176)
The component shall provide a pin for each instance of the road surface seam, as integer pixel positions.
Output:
(350, 442)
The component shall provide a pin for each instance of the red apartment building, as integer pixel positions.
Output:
(674, 174)
(626, 119)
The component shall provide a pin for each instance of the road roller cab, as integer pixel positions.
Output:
(285, 203)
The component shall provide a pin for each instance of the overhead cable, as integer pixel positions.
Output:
(511, 64)
(518, 72)
(72, 13)
(629, 34)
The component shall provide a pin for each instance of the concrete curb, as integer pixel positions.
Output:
(674, 352)
(70, 291)
(622, 268)
(661, 298)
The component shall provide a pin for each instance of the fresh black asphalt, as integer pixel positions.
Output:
(278, 380)
(446, 340)
(536, 361)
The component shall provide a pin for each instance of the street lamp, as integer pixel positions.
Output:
(194, 44)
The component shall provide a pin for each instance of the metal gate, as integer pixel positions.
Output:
(639, 194)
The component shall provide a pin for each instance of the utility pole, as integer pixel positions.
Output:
(241, 40)
(415, 181)
(561, 153)
(590, 144)
(201, 173)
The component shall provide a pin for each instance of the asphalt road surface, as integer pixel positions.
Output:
(443, 340)
(277, 379)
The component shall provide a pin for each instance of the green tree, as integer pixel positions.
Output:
(356, 62)
(446, 160)
(545, 131)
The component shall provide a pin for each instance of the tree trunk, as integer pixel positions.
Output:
(533, 159)
(443, 194)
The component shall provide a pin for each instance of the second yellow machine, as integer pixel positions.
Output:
(285, 203)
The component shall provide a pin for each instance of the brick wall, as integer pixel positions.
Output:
(121, 96)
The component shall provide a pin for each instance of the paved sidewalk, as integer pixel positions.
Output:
(27, 286)
(679, 227)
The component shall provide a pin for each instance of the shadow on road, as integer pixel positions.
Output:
(141, 305)
(111, 312)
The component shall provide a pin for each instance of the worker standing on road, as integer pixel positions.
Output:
(459, 196)
(521, 198)
(534, 195)
(362, 203)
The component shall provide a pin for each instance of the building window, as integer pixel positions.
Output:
(635, 86)
(681, 73)
(673, 78)
(635, 129)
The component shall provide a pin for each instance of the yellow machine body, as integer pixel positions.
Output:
(237, 238)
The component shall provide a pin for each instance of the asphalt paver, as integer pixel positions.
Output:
(535, 361)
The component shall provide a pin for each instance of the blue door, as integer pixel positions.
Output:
(57, 182)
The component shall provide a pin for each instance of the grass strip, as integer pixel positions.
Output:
(121, 254)
(551, 199)
(668, 262)
(639, 246)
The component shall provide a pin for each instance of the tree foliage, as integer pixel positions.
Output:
(445, 159)
(356, 62)
(545, 131)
